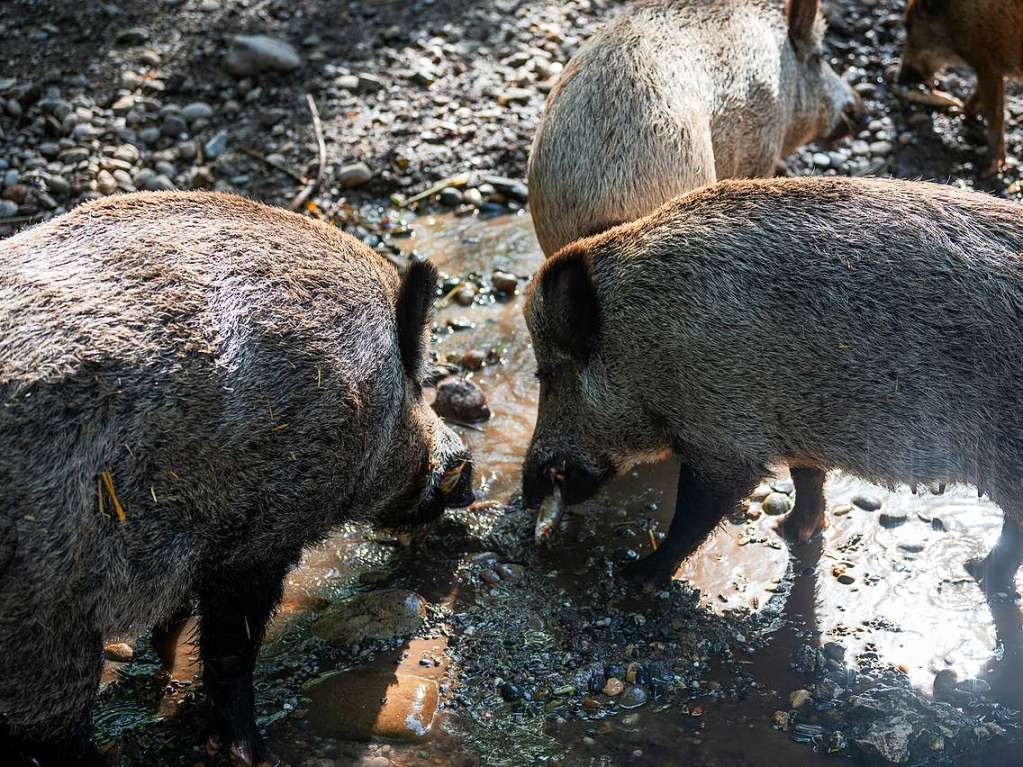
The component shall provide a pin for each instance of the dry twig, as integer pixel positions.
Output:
(321, 149)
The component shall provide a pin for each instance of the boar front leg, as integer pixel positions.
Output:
(997, 571)
(234, 609)
(807, 516)
(702, 502)
(991, 97)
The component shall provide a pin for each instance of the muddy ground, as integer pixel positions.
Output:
(871, 645)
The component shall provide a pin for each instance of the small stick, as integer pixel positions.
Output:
(108, 482)
(321, 149)
(276, 165)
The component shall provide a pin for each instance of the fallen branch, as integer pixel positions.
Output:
(276, 166)
(321, 149)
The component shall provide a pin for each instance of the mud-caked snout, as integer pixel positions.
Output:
(451, 479)
(578, 480)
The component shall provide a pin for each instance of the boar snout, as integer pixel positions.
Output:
(851, 120)
(578, 482)
(456, 482)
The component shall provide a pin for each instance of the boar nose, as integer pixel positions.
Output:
(456, 484)
(537, 482)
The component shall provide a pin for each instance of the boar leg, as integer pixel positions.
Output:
(991, 94)
(807, 516)
(997, 571)
(702, 502)
(234, 609)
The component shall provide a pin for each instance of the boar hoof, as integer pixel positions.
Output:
(801, 529)
(243, 754)
(995, 167)
(649, 574)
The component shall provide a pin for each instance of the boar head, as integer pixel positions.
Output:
(825, 106)
(427, 467)
(591, 423)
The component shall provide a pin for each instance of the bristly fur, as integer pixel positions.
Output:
(234, 371)
(671, 96)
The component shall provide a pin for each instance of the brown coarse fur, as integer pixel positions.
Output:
(673, 95)
(194, 386)
(986, 35)
(894, 311)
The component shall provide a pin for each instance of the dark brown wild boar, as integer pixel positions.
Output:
(986, 35)
(897, 308)
(674, 95)
(194, 387)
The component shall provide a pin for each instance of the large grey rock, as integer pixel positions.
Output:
(252, 54)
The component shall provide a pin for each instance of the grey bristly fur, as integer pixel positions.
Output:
(235, 369)
(868, 325)
(673, 95)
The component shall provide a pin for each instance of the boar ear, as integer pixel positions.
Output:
(570, 302)
(802, 23)
(415, 307)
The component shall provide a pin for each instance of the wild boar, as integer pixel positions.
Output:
(987, 36)
(194, 387)
(895, 307)
(671, 96)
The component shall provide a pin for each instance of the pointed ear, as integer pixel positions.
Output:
(570, 302)
(802, 15)
(415, 309)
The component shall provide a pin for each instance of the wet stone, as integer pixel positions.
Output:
(776, 504)
(633, 697)
(504, 282)
(613, 687)
(366, 703)
(376, 615)
(119, 652)
(799, 698)
(462, 400)
(866, 502)
(510, 572)
(890, 519)
(353, 175)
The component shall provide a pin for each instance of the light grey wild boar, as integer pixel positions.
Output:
(986, 35)
(676, 94)
(194, 387)
(895, 308)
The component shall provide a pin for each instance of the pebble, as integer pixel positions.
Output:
(473, 359)
(867, 502)
(368, 83)
(462, 400)
(173, 125)
(613, 687)
(132, 36)
(510, 572)
(216, 146)
(799, 698)
(776, 504)
(490, 577)
(353, 175)
(128, 153)
(252, 54)
(633, 697)
(105, 182)
(197, 110)
(821, 160)
(119, 652)
(504, 282)
(892, 518)
(450, 197)
(841, 511)
(881, 148)
(8, 208)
